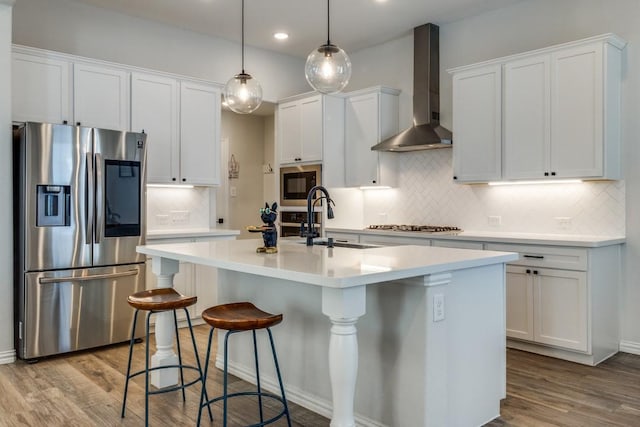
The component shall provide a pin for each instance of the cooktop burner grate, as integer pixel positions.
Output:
(421, 228)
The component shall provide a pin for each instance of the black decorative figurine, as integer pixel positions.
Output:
(269, 230)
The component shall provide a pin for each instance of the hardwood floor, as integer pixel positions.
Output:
(85, 389)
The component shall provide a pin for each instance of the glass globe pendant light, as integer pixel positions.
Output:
(243, 93)
(328, 68)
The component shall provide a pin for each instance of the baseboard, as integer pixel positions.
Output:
(300, 397)
(630, 347)
(7, 357)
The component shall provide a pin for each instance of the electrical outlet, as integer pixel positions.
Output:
(162, 219)
(438, 307)
(179, 217)
(233, 192)
(494, 220)
(563, 222)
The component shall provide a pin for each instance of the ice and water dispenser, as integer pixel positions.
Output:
(53, 205)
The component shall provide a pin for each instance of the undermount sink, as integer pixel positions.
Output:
(350, 245)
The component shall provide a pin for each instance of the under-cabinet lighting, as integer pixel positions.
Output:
(170, 185)
(556, 181)
(376, 187)
(281, 36)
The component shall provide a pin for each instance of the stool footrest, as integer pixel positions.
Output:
(171, 388)
(253, 393)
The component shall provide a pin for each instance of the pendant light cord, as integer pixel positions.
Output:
(243, 37)
(328, 23)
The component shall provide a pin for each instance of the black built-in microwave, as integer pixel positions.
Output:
(295, 183)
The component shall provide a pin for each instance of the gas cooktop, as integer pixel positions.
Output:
(420, 228)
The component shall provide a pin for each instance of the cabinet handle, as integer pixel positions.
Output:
(546, 174)
(553, 174)
(78, 123)
(298, 159)
(535, 271)
(455, 177)
(528, 271)
(173, 179)
(534, 256)
(64, 122)
(184, 179)
(373, 181)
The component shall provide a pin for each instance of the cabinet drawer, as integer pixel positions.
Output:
(545, 256)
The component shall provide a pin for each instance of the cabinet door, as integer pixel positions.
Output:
(577, 110)
(362, 130)
(154, 109)
(311, 129)
(560, 302)
(199, 134)
(41, 89)
(527, 107)
(477, 124)
(289, 129)
(519, 303)
(101, 97)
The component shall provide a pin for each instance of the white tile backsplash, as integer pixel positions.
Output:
(178, 208)
(426, 194)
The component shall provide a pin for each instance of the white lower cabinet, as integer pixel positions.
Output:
(563, 301)
(548, 306)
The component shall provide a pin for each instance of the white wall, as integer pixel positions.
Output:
(524, 26)
(80, 29)
(7, 353)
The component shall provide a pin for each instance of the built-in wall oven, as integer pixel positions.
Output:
(292, 221)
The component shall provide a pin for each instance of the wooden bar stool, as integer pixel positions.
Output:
(240, 317)
(156, 301)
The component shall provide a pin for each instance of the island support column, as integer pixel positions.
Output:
(343, 306)
(164, 269)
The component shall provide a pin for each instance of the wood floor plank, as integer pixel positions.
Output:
(85, 389)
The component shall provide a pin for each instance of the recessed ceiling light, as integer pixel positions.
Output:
(281, 36)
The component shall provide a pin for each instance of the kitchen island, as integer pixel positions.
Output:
(431, 336)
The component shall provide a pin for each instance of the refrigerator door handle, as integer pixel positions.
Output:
(99, 199)
(45, 280)
(89, 208)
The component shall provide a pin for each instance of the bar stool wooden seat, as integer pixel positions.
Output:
(156, 301)
(234, 318)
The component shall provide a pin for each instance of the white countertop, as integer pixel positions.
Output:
(319, 265)
(500, 237)
(190, 232)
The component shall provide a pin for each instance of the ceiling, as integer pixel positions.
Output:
(355, 24)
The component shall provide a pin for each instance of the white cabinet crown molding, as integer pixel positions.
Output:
(610, 38)
(76, 59)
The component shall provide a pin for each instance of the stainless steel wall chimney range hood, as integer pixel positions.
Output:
(426, 132)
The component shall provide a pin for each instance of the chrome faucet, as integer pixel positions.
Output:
(311, 233)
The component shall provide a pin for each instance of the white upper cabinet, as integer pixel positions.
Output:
(477, 118)
(51, 88)
(371, 115)
(311, 130)
(560, 113)
(527, 122)
(41, 89)
(101, 97)
(300, 130)
(154, 110)
(199, 133)
(182, 120)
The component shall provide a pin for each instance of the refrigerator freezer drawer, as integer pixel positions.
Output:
(63, 311)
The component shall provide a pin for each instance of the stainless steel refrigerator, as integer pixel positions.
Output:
(79, 213)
